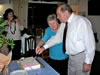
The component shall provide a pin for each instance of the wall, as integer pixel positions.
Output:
(3, 7)
(20, 8)
(4, 1)
(96, 26)
(94, 19)
(82, 6)
(4, 4)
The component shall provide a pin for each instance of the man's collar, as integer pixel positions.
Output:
(71, 17)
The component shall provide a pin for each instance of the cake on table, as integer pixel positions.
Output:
(29, 63)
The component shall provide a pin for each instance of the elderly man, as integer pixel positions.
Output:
(79, 41)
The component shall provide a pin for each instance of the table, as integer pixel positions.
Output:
(46, 70)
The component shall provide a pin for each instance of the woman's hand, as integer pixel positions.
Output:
(10, 19)
(17, 21)
(40, 50)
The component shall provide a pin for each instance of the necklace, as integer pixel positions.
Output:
(14, 29)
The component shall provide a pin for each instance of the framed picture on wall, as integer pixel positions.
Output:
(93, 7)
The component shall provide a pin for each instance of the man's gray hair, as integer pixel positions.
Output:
(65, 7)
(52, 17)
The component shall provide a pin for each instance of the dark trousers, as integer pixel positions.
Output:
(60, 66)
(16, 52)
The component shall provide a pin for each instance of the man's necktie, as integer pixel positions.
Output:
(64, 37)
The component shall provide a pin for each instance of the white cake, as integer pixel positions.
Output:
(29, 63)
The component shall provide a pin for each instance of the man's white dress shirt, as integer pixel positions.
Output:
(79, 37)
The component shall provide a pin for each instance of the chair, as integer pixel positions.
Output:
(19, 72)
(30, 44)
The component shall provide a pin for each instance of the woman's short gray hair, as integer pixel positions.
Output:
(52, 17)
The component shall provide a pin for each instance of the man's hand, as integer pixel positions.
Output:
(86, 67)
(39, 50)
